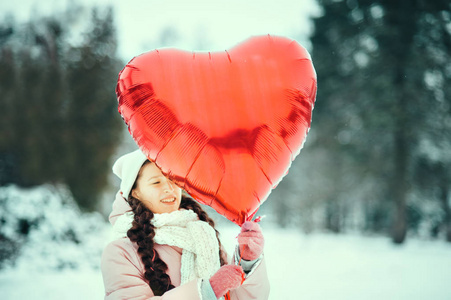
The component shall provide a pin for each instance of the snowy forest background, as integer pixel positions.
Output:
(377, 160)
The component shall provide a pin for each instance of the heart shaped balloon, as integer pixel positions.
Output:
(224, 126)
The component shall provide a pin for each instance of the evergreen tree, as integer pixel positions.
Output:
(92, 120)
(374, 106)
(8, 86)
(61, 123)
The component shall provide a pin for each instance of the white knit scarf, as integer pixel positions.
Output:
(183, 229)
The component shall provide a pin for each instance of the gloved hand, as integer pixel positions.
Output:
(251, 241)
(226, 278)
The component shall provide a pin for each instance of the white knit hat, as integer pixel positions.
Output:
(127, 168)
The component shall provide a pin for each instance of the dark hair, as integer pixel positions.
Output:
(142, 233)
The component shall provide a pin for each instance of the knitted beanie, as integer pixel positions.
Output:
(127, 168)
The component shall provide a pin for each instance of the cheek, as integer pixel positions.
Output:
(148, 193)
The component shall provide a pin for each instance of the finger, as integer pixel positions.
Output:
(247, 226)
(251, 242)
(257, 235)
(244, 240)
(256, 245)
(250, 226)
(250, 233)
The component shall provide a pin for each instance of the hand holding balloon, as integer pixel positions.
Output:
(251, 241)
(228, 277)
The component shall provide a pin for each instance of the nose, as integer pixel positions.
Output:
(169, 188)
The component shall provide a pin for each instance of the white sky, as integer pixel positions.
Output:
(200, 24)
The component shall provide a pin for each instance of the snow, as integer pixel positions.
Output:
(57, 230)
(316, 266)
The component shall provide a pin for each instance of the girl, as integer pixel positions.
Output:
(168, 248)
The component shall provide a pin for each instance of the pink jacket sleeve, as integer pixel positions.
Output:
(123, 277)
(256, 285)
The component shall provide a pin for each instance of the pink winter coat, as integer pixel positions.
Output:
(123, 271)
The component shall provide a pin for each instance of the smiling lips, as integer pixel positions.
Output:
(170, 200)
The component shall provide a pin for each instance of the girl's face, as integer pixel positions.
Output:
(155, 191)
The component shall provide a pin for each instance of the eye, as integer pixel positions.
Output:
(156, 182)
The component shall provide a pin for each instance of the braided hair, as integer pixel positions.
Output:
(142, 233)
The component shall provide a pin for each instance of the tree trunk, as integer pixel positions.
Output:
(401, 28)
(399, 189)
(447, 209)
(401, 154)
(333, 216)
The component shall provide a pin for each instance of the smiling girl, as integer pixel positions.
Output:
(167, 247)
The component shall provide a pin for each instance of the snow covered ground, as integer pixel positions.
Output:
(317, 266)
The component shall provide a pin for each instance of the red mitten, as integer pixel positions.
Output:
(226, 278)
(251, 241)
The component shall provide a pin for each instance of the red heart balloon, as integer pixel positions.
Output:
(224, 126)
